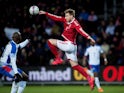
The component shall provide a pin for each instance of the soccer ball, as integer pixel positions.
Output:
(33, 10)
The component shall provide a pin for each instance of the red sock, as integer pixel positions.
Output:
(53, 49)
(81, 70)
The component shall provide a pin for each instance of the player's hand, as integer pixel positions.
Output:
(17, 77)
(92, 41)
(105, 61)
(30, 37)
(42, 12)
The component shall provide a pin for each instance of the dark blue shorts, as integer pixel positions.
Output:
(95, 68)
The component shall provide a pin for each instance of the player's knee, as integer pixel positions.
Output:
(52, 41)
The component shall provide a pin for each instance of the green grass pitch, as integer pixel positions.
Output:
(64, 89)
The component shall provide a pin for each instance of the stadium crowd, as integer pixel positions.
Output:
(109, 34)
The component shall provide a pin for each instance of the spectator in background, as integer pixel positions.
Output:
(22, 58)
(105, 47)
(83, 15)
(110, 28)
(117, 21)
(48, 30)
(115, 41)
(101, 29)
(92, 21)
(112, 56)
(56, 30)
(39, 53)
(119, 29)
(92, 17)
(121, 44)
(80, 52)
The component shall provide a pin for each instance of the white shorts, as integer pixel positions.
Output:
(69, 48)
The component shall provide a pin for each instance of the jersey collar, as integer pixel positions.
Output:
(13, 42)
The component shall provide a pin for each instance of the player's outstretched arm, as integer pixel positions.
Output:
(24, 43)
(52, 16)
(41, 12)
(83, 33)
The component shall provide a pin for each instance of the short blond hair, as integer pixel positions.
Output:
(70, 11)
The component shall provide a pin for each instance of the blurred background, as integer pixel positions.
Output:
(102, 19)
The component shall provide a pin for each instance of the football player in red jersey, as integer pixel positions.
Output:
(71, 29)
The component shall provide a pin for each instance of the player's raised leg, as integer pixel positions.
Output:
(52, 43)
(89, 72)
(81, 70)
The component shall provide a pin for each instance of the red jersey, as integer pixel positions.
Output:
(71, 29)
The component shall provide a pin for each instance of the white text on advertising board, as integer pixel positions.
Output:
(50, 75)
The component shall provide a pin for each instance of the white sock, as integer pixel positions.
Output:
(90, 73)
(22, 85)
(14, 87)
(97, 82)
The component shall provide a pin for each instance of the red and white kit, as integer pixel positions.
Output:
(71, 29)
